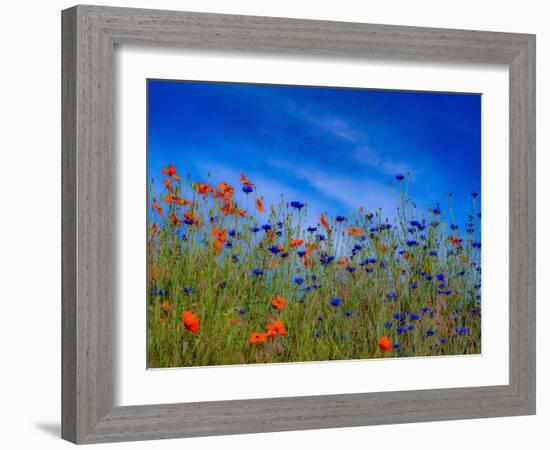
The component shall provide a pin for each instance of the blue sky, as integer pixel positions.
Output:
(334, 149)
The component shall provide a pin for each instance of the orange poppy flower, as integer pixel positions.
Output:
(226, 190)
(158, 208)
(204, 188)
(296, 243)
(155, 228)
(385, 344)
(355, 231)
(189, 215)
(278, 303)
(455, 241)
(168, 198)
(343, 262)
(219, 240)
(275, 328)
(242, 212)
(257, 337)
(168, 185)
(190, 321)
(324, 222)
(175, 220)
(260, 205)
(171, 171)
(245, 181)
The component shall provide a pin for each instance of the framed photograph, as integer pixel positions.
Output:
(277, 224)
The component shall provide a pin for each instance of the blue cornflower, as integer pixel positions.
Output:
(428, 277)
(430, 332)
(414, 286)
(425, 309)
(350, 269)
(229, 244)
(442, 340)
(342, 337)
(311, 229)
(474, 194)
(235, 258)
(284, 255)
(388, 324)
(188, 222)
(395, 346)
(440, 277)
(266, 227)
(301, 252)
(248, 189)
(321, 237)
(222, 285)
(187, 290)
(475, 312)
(436, 211)
(297, 205)
(298, 280)
(232, 233)
(454, 227)
(414, 317)
(242, 312)
(357, 247)
(257, 272)
(317, 334)
(162, 292)
(476, 244)
(274, 249)
(369, 270)
(412, 243)
(433, 253)
(348, 313)
(400, 330)
(397, 316)
(462, 331)
(340, 218)
(461, 273)
(254, 229)
(435, 223)
(400, 177)
(410, 327)
(336, 302)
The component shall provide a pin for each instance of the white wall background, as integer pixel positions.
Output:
(30, 236)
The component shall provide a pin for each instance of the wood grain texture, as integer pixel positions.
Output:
(90, 34)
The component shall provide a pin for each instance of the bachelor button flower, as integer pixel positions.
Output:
(368, 270)
(474, 194)
(232, 233)
(430, 332)
(222, 285)
(301, 253)
(392, 296)
(298, 280)
(242, 311)
(462, 331)
(254, 229)
(235, 258)
(400, 330)
(348, 313)
(321, 237)
(274, 249)
(425, 309)
(436, 211)
(461, 273)
(342, 337)
(440, 277)
(266, 227)
(410, 327)
(229, 244)
(257, 272)
(454, 227)
(297, 205)
(475, 312)
(188, 222)
(248, 189)
(400, 177)
(414, 316)
(414, 286)
(357, 247)
(395, 346)
(317, 334)
(340, 218)
(350, 269)
(442, 340)
(397, 316)
(187, 290)
(476, 245)
(433, 253)
(412, 243)
(336, 302)
(311, 229)
(388, 324)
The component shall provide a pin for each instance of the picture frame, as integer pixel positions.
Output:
(89, 37)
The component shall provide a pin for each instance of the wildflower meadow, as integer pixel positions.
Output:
(243, 281)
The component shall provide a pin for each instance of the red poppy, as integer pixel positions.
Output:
(278, 303)
(324, 222)
(171, 171)
(168, 185)
(260, 205)
(158, 208)
(296, 243)
(168, 198)
(245, 181)
(275, 328)
(190, 321)
(385, 344)
(355, 231)
(204, 188)
(257, 337)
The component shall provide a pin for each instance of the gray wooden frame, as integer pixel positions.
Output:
(89, 37)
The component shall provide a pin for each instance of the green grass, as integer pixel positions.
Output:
(231, 302)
